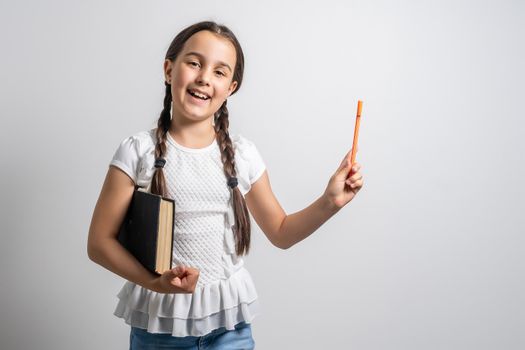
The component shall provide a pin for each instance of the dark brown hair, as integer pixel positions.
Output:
(242, 229)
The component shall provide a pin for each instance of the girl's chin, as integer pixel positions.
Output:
(197, 114)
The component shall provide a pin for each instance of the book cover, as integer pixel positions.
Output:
(147, 230)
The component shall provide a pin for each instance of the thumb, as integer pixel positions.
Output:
(345, 158)
(177, 282)
(344, 170)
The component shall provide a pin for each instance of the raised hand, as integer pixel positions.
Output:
(344, 183)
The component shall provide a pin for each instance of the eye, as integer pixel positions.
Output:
(193, 63)
(220, 73)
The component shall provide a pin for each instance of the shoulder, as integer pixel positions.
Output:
(141, 139)
(249, 161)
(245, 149)
(134, 155)
(242, 145)
(239, 139)
(138, 144)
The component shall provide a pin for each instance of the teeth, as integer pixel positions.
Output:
(199, 95)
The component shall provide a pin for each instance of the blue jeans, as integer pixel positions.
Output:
(218, 339)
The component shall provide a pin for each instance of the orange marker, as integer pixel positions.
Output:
(356, 130)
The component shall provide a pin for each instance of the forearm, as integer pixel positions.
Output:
(297, 226)
(110, 254)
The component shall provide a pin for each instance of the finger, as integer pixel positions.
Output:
(343, 170)
(356, 185)
(353, 170)
(195, 276)
(343, 164)
(354, 177)
(177, 282)
(191, 282)
(182, 271)
(355, 167)
(345, 158)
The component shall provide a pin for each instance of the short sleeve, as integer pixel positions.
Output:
(127, 156)
(249, 162)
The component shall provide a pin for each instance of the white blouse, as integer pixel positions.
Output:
(203, 237)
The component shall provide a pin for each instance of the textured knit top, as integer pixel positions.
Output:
(203, 237)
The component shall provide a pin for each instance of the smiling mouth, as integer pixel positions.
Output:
(198, 95)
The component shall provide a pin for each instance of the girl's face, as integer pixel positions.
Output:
(201, 76)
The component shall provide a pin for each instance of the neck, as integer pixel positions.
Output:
(193, 134)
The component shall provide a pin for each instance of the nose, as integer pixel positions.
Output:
(203, 77)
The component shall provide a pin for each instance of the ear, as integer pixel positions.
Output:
(232, 87)
(167, 70)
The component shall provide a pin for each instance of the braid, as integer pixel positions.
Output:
(242, 218)
(158, 183)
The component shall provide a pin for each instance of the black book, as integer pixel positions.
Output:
(147, 230)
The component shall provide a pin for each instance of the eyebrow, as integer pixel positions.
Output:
(202, 57)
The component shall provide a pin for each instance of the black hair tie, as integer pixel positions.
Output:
(232, 182)
(159, 162)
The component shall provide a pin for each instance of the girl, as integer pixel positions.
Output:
(208, 298)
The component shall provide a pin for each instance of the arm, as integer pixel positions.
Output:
(104, 248)
(286, 230)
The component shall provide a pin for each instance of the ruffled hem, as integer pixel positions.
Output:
(220, 303)
(191, 327)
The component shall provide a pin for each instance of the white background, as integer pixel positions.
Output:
(429, 255)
